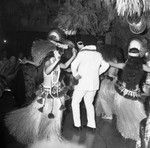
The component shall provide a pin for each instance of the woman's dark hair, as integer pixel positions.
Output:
(133, 72)
(111, 53)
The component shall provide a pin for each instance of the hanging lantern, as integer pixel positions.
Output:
(137, 24)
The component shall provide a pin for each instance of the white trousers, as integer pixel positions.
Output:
(88, 96)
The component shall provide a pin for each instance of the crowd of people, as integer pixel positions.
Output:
(9, 66)
(108, 84)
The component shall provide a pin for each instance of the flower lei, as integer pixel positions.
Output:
(55, 83)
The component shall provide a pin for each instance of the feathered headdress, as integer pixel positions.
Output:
(56, 35)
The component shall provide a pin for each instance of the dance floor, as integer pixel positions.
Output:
(106, 135)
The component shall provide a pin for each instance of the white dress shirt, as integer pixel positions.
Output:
(89, 64)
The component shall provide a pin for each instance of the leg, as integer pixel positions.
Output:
(106, 108)
(106, 97)
(98, 105)
(88, 100)
(142, 134)
(76, 99)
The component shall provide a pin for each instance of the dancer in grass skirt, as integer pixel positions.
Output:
(105, 98)
(42, 118)
(128, 102)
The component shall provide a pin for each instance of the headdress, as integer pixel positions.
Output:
(139, 44)
(135, 43)
(133, 52)
(56, 35)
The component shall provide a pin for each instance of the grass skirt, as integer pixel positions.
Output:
(55, 144)
(129, 115)
(105, 98)
(28, 124)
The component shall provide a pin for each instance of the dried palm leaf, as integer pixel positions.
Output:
(85, 17)
(129, 6)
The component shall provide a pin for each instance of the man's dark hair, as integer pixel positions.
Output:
(88, 40)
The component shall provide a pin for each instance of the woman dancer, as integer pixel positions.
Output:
(129, 107)
(105, 97)
(42, 118)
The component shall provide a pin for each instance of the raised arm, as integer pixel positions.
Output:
(104, 66)
(66, 65)
(32, 63)
(25, 61)
(117, 65)
(75, 64)
(146, 68)
(49, 67)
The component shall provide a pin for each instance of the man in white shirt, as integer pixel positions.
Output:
(86, 67)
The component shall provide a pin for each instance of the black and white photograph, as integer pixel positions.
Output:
(75, 73)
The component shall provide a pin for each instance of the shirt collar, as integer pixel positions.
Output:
(90, 47)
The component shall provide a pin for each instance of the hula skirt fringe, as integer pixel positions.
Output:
(129, 115)
(105, 97)
(29, 124)
(55, 144)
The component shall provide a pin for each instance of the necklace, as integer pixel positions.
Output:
(55, 75)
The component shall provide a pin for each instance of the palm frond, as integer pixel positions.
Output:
(129, 6)
(77, 15)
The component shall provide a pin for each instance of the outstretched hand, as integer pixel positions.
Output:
(23, 61)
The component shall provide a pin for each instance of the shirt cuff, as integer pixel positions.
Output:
(75, 74)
